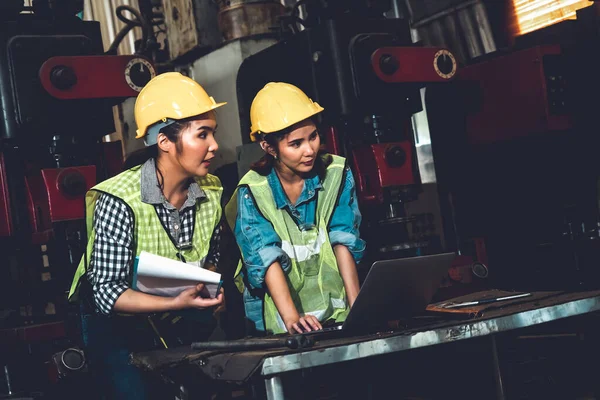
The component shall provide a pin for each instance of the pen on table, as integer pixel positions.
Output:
(485, 301)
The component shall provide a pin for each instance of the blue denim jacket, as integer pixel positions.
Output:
(261, 246)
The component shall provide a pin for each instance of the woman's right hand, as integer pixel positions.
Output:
(191, 298)
(307, 323)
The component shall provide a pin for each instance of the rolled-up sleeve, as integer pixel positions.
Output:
(259, 243)
(346, 219)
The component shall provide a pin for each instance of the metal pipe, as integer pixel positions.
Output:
(292, 342)
(7, 378)
(443, 13)
(474, 47)
(396, 10)
(274, 388)
(485, 29)
(497, 373)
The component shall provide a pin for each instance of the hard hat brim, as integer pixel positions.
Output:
(140, 135)
(254, 134)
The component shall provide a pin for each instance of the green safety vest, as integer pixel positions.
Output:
(149, 233)
(314, 279)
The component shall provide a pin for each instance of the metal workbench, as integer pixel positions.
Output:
(541, 307)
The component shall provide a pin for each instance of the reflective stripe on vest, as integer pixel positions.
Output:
(300, 252)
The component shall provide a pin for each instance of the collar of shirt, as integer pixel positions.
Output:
(311, 186)
(151, 193)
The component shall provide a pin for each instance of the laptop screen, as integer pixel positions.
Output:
(397, 289)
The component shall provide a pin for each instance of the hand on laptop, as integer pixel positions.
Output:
(307, 323)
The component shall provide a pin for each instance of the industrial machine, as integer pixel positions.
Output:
(57, 90)
(514, 140)
(367, 74)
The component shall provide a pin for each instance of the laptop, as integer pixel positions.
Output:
(393, 290)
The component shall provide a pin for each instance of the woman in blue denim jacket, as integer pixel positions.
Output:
(296, 173)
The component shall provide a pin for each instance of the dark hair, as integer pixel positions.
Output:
(172, 132)
(266, 162)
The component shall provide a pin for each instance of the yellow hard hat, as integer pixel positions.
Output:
(278, 106)
(170, 96)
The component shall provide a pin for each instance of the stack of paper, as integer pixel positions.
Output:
(165, 277)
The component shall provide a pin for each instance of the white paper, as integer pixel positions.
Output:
(165, 277)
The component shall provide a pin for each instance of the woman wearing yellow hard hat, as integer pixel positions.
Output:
(296, 219)
(168, 205)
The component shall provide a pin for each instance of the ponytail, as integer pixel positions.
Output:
(139, 157)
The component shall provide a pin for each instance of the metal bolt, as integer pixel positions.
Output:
(389, 64)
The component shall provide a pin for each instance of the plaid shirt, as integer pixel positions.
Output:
(112, 255)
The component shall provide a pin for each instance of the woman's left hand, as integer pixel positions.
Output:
(307, 323)
(192, 298)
